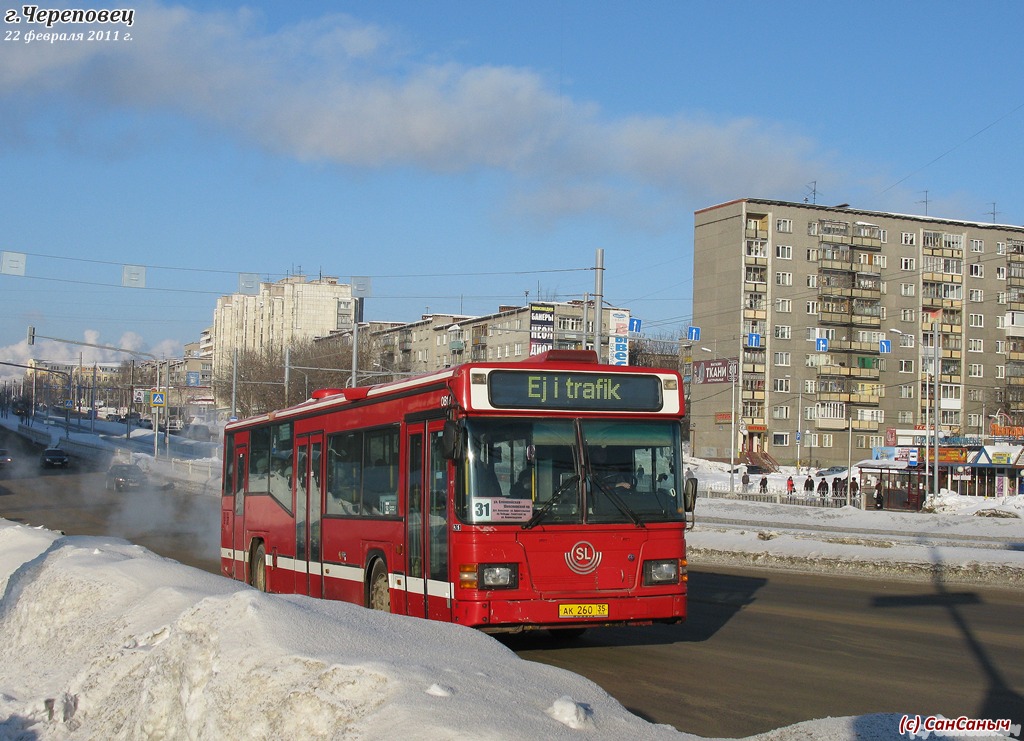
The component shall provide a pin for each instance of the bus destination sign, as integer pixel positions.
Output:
(584, 391)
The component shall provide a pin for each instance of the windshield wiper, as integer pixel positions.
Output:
(541, 513)
(616, 500)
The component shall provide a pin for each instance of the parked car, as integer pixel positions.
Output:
(54, 458)
(113, 417)
(123, 476)
(5, 457)
(832, 471)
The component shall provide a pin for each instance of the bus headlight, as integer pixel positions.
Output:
(661, 572)
(489, 576)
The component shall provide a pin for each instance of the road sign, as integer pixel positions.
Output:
(634, 325)
(753, 339)
(157, 399)
(885, 346)
(821, 344)
(798, 435)
(693, 334)
(192, 378)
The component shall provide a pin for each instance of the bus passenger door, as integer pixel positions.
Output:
(307, 487)
(233, 516)
(428, 585)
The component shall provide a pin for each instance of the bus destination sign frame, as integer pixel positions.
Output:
(575, 391)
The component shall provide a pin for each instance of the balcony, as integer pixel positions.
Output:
(865, 425)
(841, 371)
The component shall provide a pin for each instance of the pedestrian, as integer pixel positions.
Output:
(808, 485)
(745, 480)
(823, 488)
(764, 484)
(879, 496)
(854, 492)
(835, 487)
(789, 486)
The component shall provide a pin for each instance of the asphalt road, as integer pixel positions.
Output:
(761, 649)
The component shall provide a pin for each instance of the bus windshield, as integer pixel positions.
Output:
(541, 471)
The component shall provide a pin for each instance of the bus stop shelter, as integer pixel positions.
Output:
(902, 487)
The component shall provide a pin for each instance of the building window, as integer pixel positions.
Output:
(908, 238)
(906, 366)
(812, 307)
(908, 263)
(812, 228)
(977, 245)
(780, 439)
(781, 385)
(784, 305)
(907, 391)
(783, 332)
(907, 340)
(782, 359)
(1000, 248)
(783, 252)
(757, 248)
(905, 417)
(976, 295)
(883, 236)
(780, 412)
(812, 281)
(1000, 347)
(976, 320)
(784, 225)
(907, 289)
(977, 270)
(907, 315)
(975, 345)
(976, 370)
(783, 279)
(1000, 371)
(1001, 272)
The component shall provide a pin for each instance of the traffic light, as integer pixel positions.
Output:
(31, 335)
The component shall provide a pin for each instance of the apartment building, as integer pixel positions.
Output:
(278, 315)
(837, 320)
(512, 333)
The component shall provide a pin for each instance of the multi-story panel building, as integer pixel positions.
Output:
(279, 315)
(834, 313)
(512, 333)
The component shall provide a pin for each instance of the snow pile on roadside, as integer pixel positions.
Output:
(959, 542)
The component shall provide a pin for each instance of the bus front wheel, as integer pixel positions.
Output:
(258, 568)
(380, 595)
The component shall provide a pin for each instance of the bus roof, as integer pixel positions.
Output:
(569, 360)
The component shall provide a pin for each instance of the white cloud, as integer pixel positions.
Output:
(340, 91)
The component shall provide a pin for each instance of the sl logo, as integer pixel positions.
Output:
(583, 558)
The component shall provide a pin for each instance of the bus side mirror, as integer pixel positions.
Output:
(451, 440)
(690, 495)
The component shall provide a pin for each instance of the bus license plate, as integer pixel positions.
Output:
(583, 611)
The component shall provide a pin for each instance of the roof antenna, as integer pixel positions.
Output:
(993, 212)
(925, 202)
(813, 185)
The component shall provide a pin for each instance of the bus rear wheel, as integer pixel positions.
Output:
(258, 568)
(380, 595)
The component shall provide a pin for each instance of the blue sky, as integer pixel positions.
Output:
(463, 154)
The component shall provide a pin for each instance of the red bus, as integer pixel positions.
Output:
(512, 496)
